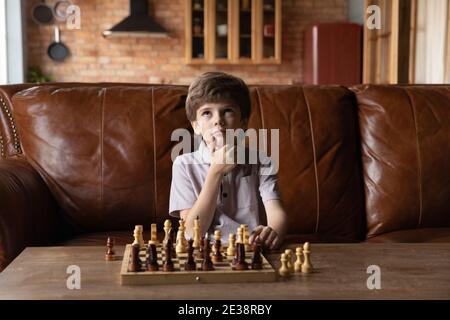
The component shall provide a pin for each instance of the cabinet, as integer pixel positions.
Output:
(233, 31)
(333, 53)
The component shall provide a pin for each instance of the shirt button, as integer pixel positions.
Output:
(225, 194)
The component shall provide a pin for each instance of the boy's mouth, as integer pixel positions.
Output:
(218, 132)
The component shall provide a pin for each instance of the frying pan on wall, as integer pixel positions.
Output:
(57, 50)
(42, 13)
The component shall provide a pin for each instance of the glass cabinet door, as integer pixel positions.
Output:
(222, 29)
(198, 29)
(268, 23)
(245, 29)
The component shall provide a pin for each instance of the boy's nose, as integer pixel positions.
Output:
(219, 121)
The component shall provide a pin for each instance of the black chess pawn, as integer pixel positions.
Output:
(207, 264)
(110, 254)
(257, 261)
(135, 261)
(152, 258)
(241, 264)
(201, 249)
(190, 263)
(172, 237)
(217, 255)
(168, 263)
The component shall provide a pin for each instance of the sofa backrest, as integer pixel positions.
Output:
(405, 139)
(105, 152)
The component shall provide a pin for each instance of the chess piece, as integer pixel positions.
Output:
(241, 263)
(197, 240)
(257, 262)
(246, 237)
(171, 237)
(190, 263)
(240, 235)
(298, 262)
(141, 236)
(290, 265)
(284, 270)
(201, 254)
(153, 234)
(168, 263)
(167, 229)
(138, 237)
(306, 265)
(135, 261)
(181, 246)
(217, 255)
(110, 254)
(231, 250)
(183, 228)
(152, 258)
(207, 264)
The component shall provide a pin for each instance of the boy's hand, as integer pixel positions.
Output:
(223, 159)
(267, 236)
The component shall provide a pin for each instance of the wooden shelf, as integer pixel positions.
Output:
(250, 21)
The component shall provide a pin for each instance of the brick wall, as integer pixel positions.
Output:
(152, 60)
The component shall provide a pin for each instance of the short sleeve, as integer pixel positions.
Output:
(182, 195)
(268, 180)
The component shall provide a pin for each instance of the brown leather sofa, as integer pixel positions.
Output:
(80, 162)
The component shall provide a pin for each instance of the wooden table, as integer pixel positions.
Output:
(408, 271)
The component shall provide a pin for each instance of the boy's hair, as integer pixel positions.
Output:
(213, 87)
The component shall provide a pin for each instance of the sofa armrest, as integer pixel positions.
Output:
(28, 212)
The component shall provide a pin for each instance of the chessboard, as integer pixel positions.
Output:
(222, 273)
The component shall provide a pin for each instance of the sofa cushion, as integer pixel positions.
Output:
(414, 235)
(405, 139)
(320, 176)
(105, 152)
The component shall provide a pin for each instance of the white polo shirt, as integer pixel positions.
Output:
(242, 190)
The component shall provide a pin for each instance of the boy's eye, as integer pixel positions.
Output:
(206, 113)
(229, 110)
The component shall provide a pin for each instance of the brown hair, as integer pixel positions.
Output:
(213, 87)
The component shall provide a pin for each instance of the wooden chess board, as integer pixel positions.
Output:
(223, 272)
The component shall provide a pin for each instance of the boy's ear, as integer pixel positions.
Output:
(196, 128)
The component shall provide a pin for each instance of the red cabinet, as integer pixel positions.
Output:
(333, 54)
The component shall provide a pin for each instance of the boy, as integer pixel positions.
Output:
(207, 183)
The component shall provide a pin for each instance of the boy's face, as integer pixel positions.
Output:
(212, 119)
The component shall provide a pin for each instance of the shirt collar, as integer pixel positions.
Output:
(205, 154)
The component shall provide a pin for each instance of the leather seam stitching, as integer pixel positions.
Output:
(418, 153)
(12, 124)
(314, 159)
(101, 148)
(260, 108)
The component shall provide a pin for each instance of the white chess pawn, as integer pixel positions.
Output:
(240, 235)
(231, 250)
(246, 237)
(153, 234)
(284, 270)
(196, 243)
(136, 235)
(167, 227)
(290, 266)
(183, 229)
(180, 247)
(298, 262)
(306, 266)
